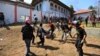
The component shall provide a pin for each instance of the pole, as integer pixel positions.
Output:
(15, 12)
(31, 13)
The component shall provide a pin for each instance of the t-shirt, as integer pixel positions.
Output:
(80, 33)
(27, 32)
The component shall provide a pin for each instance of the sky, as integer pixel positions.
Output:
(77, 4)
(80, 4)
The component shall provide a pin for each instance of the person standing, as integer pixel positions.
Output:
(86, 20)
(35, 21)
(2, 19)
(81, 36)
(94, 21)
(27, 34)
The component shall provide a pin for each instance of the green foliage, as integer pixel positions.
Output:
(91, 7)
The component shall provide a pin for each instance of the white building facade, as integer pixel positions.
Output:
(83, 13)
(18, 11)
(53, 8)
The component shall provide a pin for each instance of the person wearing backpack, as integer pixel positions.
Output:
(27, 34)
(41, 33)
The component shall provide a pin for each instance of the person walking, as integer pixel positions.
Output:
(58, 26)
(70, 29)
(52, 29)
(27, 34)
(64, 27)
(41, 34)
(81, 36)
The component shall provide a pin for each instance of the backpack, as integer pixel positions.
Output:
(40, 32)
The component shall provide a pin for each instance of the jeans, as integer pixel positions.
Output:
(42, 40)
(27, 42)
(51, 34)
(33, 39)
(64, 35)
(79, 46)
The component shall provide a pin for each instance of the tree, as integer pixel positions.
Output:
(72, 10)
(71, 6)
(93, 9)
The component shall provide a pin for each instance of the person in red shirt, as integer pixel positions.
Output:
(51, 30)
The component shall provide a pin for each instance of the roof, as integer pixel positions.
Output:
(34, 2)
(82, 11)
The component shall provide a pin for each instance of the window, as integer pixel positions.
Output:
(51, 6)
(64, 10)
(59, 8)
(55, 7)
(21, 0)
(37, 8)
(40, 7)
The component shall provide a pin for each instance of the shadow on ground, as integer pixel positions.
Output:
(88, 54)
(72, 41)
(93, 45)
(49, 47)
(31, 54)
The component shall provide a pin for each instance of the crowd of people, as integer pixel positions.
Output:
(61, 25)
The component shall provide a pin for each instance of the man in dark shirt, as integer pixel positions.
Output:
(81, 35)
(27, 34)
(64, 27)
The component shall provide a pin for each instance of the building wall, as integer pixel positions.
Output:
(84, 15)
(22, 12)
(38, 15)
(8, 11)
(59, 11)
(49, 11)
(45, 6)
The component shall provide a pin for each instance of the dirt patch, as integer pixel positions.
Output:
(13, 45)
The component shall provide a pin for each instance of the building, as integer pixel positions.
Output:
(83, 13)
(17, 11)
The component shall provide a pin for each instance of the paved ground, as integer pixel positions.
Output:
(13, 45)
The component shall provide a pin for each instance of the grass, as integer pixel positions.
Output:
(90, 25)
